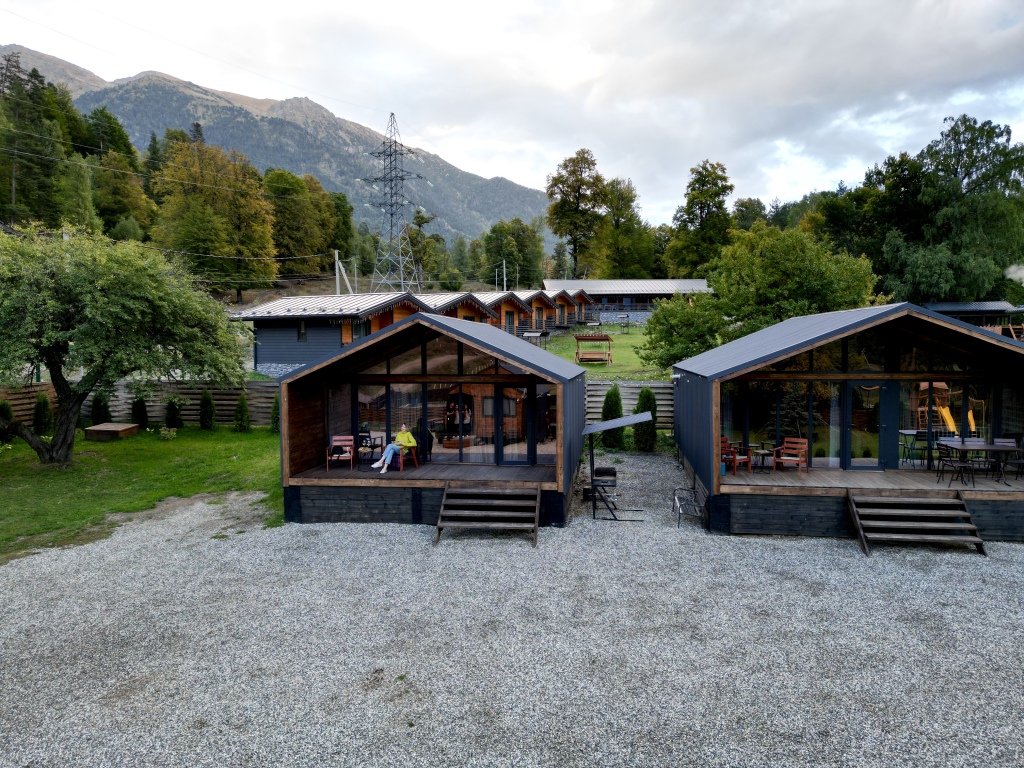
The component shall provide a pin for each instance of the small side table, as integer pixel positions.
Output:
(760, 460)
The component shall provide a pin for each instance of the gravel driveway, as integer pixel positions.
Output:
(610, 644)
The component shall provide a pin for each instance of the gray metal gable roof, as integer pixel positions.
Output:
(440, 302)
(970, 307)
(481, 335)
(346, 305)
(798, 333)
(625, 287)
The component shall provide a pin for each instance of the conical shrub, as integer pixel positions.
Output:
(207, 410)
(275, 414)
(242, 423)
(612, 409)
(645, 434)
(42, 415)
(140, 413)
(7, 414)
(100, 409)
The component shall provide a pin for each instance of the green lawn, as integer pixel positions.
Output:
(626, 365)
(53, 505)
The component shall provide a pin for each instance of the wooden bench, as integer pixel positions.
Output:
(102, 433)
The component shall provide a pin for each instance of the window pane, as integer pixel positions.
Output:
(476, 426)
(827, 424)
(547, 410)
(514, 424)
(408, 362)
(372, 415)
(476, 361)
(442, 356)
(406, 408)
(444, 416)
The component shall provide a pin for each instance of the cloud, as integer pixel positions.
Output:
(791, 96)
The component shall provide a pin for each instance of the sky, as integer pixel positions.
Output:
(791, 96)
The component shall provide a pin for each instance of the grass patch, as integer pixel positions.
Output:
(45, 506)
(627, 365)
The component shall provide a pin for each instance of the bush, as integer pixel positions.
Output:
(42, 415)
(275, 414)
(242, 423)
(645, 434)
(100, 409)
(612, 409)
(172, 413)
(207, 410)
(140, 414)
(7, 414)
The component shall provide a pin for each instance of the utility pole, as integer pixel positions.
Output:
(495, 278)
(337, 275)
(504, 277)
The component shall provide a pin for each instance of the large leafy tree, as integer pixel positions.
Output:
(702, 223)
(624, 242)
(109, 310)
(944, 224)
(213, 208)
(577, 194)
(763, 277)
(520, 246)
(303, 221)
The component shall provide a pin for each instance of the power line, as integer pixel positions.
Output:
(235, 190)
(213, 256)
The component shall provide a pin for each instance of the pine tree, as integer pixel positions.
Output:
(645, 434)
(172, 415)
(242, 422)
(207, 410)
(612, 409)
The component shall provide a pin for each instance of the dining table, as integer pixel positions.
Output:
(995, 450)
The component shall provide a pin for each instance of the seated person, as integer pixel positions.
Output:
(403, 440)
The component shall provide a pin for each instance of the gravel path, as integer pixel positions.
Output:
(610, 644)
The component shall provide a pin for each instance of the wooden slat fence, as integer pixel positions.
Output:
(630, 390)
(23, 399)
(259, 393)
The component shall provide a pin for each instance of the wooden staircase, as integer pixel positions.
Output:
(913, 519)
(475, 506)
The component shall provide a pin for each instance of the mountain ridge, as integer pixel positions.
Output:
(298, 135)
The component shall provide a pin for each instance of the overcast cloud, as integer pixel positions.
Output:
(791, 96)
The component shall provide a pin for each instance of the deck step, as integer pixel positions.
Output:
(873, 512)
(911, 519)
(489, 509)
(918, 525)
(923, 537)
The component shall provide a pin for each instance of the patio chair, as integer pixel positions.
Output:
(408, 452)
(342, 448)
(1011, 460)
(956, 465)
(792, 451)
(731, 455)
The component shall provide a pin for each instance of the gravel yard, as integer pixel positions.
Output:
(182, 642)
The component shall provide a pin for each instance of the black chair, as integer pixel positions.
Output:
(957, 466)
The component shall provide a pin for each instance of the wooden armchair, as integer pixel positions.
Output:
(342, 448)
(733, 456)
(407, 452)
(792, 451)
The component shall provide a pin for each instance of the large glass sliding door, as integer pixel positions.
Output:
(873, 421)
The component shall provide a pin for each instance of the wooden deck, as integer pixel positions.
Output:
(432, 475)
(835, 482)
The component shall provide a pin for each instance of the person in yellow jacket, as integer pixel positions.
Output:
(403, 440)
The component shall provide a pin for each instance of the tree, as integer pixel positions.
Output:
(702, 223)
(6, 415)
(746, 211)
(624, 239)
(763, 277)
(519, 246)
(611, 408)
(213, 208)
(111, 137)
(109, 310)
(343, 233)
(42, 415)
(577, 195)
(460, 255)
(645, 434)
(74, 196)
(117, 193)
(302, 230)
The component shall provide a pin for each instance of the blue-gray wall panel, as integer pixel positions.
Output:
(574, 416)
(280, 343)
(695, 432)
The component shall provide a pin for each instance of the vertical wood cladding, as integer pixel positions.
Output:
(339, 412)
(307, 436)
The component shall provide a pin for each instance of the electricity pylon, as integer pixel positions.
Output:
(394, 268)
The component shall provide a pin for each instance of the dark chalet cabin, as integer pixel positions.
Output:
(487, 409)
(872, 394)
